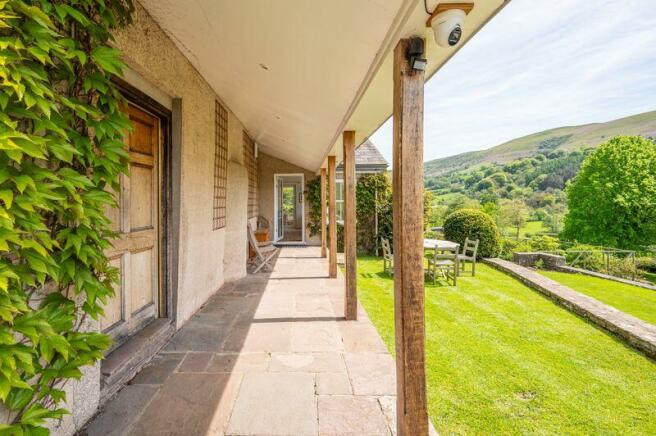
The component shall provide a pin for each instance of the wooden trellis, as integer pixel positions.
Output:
(250, 162)
(220, 166)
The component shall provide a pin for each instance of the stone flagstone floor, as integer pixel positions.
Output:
(268, 355)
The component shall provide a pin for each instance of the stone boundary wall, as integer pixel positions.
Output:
(637, 333)
(550, 260)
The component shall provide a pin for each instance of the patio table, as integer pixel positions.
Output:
(440, 244)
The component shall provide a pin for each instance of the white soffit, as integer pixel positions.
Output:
(289, 69)
(374, 106)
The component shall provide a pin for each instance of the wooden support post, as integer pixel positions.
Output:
(408, 222)
(323, 212)
(332, 219)
(350, 237)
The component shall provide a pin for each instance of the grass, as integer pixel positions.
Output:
(636, 301)
(502, 359)
(531, 227)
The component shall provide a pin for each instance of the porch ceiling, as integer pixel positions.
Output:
(298, 72)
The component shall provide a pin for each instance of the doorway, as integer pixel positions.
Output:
(289, 209)
(140, 250)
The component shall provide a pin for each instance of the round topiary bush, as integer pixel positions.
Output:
(473, 224)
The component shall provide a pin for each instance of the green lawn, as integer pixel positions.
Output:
(531, 227)
(633, 300)
(502, 359)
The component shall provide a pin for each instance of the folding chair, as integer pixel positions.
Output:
(264, 251)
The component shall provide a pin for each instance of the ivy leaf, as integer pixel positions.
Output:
(108, 59)
(63, 10)
(7, 197)
(34, 13)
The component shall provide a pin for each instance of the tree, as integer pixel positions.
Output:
(612, 200)
(512, 213)
(461, 202)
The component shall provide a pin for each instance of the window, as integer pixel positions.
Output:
(220, 166)
(339, 199)
(251, 166)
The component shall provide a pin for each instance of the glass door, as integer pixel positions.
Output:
(280, 224)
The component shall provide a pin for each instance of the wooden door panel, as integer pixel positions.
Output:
(141, 197)
(141, 280)
(144, 135)
(114, 307)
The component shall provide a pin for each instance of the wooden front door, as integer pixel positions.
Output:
(136, 251)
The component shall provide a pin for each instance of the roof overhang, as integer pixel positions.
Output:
(297, 72)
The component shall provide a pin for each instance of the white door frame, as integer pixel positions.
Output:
(277, 176)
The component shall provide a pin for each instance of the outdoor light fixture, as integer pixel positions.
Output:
(415, 54)
(447, 22)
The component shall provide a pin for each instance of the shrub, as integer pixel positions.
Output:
(473, 224)
(538, 243)
(508, 247)
(622, 267)
(646, 264)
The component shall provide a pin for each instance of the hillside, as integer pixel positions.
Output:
(563, 138)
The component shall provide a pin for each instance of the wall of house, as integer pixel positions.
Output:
(267, 167)
(160, 70)
(149, 52)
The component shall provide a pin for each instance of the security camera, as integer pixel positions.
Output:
(447, 27)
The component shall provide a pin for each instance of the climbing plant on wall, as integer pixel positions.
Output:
(313, 196)
(373, 196)
(61, 154)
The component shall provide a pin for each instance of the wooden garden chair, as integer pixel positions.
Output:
(444, 262)
(264, 251)
(388, 257)
(469, 252)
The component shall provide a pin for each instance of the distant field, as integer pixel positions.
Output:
(531, 227)
(444, 198)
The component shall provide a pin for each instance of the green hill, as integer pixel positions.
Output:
(564, 138)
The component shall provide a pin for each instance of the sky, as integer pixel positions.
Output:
(537, 65)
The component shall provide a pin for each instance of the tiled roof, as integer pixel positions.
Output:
(368, 156)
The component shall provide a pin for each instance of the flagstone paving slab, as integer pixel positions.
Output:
(307, 362)
(333, 383)
(361, 337)
(275, 404)
(119, 414)
(190, 338)
(350, 415)
(190, 404)
(239, 362)
(195, 362)
(371, 373)
(161, 367)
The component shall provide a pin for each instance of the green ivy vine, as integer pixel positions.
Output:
(61, 154)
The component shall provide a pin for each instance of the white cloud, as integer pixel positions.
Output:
(539, 65)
